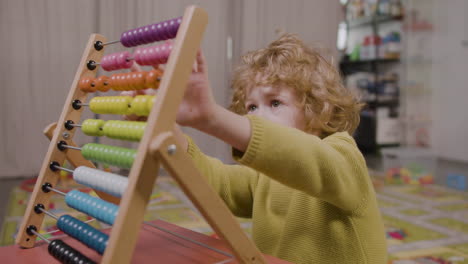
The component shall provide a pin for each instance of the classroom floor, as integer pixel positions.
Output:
(424, 224)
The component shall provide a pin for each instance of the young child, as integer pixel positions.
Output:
(301, 177)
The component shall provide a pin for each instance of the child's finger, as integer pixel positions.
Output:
(201, 62)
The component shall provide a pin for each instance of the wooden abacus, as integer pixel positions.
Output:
(158, 146)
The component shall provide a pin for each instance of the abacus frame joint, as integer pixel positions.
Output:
(171, 149)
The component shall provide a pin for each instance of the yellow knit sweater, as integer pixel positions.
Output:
(311, 200)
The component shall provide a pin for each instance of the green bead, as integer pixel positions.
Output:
(112, 155)
(118, 105)
(139, 105)
(93, 127)
(124, 130)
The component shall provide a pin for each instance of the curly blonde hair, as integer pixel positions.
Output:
(328, 106)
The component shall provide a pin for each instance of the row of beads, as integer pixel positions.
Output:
(117, 129)
(117, 61)
(85, 233)
(93, 206)
(111, 155)
(66, 254)
(103, 211)
(122, 105)
(122, 81)
(110, 183)
(153, 55)
(150, 33)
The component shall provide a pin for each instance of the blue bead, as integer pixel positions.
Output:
(92, 206)
(85, 233)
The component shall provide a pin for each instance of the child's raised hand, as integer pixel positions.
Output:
(198, 104)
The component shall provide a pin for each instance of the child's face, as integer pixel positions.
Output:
(277, 104)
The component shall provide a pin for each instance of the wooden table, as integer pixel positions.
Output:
(153, 246)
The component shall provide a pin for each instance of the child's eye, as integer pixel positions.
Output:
(275, 103)
(251, 108)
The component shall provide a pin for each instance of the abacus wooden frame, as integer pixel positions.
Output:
(153, 151)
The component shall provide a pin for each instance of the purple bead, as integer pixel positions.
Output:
(147, 34)
(165, 30)
(124, 39)
(172, 29)
(154, 32)
(137, 38)
(175, 26)
(159, 29)
(140, 36)
(130, 38)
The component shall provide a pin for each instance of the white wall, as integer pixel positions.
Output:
(450, 79)
(43, 40)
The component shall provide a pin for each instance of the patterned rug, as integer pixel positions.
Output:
(424, 224)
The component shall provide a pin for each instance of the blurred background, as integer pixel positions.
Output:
(407, 59)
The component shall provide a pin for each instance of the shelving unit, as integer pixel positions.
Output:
(367, 134)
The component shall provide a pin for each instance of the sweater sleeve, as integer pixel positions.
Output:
(332, 169)
(235, 184)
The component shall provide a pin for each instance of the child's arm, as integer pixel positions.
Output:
(331, 169)
(200, 111)
(235, 184)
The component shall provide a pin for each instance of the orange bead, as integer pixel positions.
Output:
(153, 78)
(87, 84)
(116, 82)
(127, 80)
(139, 81)
(102, 83)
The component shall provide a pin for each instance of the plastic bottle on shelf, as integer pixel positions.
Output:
(384, 7)
(396, 8)
(364, 51)
(392, 45)
(373, 46)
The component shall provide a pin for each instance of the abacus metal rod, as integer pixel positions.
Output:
(71, 147)
(110, 42)
(55, 190)
(189, 239)
(47, 212)
(40, 236)
(62, 168)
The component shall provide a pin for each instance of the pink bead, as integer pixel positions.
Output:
(123, 61)
(153, 55)
(105, 63)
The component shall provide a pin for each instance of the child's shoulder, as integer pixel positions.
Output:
(343, 139)
(340, 136)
